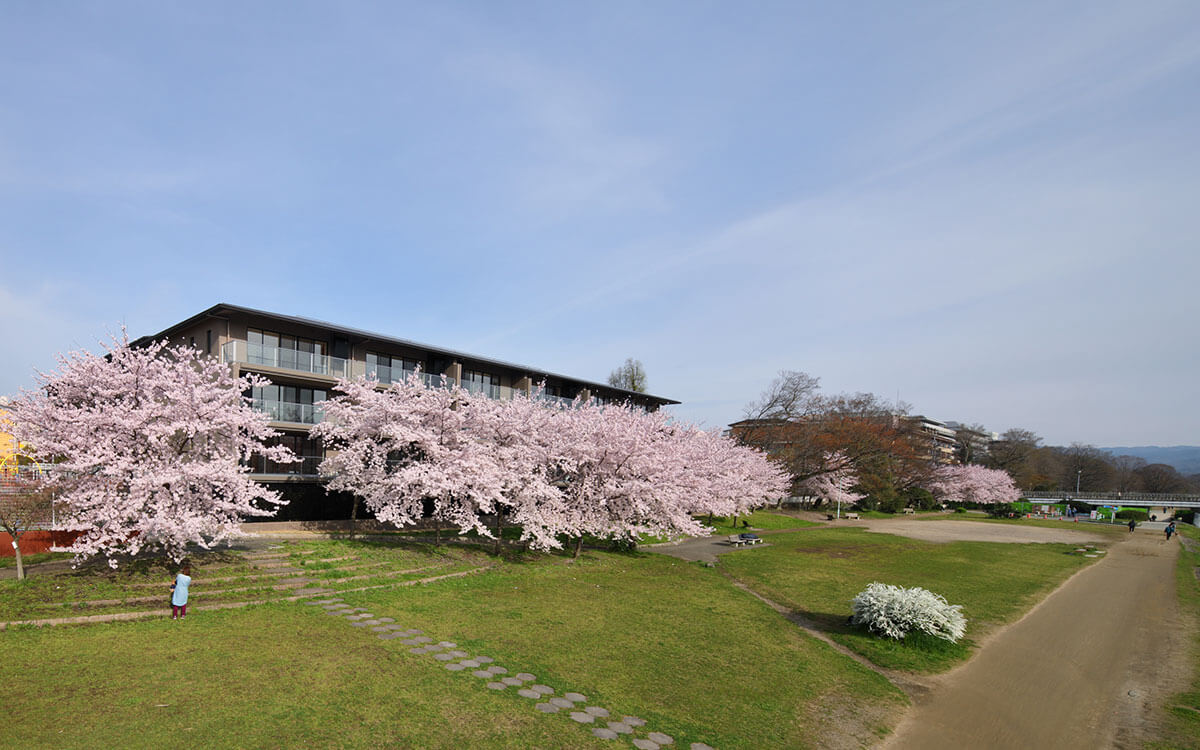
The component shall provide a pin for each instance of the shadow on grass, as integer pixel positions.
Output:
(916, 651)
(510, 549)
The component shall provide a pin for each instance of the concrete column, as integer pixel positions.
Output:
(453, 373)
(524, 384)
(585, 394)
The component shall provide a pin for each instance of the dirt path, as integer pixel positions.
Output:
(1088, 667)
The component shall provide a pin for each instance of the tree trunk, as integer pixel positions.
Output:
(353, 516)
(20, 565)
(499, 530)
(437, 532)
(578, 546)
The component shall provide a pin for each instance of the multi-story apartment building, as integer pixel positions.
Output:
(974, 445)
(303, 360)
(937, 440)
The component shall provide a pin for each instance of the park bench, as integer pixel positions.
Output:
(910, 512)
(852, 516)
(736, 540)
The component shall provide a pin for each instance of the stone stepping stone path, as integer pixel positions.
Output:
(573, 703)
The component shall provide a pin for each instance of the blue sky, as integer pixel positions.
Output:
(989, 210)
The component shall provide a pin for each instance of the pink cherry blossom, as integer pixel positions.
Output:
(149, 448)
(555, 471)
(835, 486)
(973, 483)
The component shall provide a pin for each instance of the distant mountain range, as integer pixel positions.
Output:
(1185, 458)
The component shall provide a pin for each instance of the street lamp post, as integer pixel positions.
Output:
(1078, 476)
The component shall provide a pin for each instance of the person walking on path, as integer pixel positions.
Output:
(179, 592)
(1132, 525)
(1170, 530)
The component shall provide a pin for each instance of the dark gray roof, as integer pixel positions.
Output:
(534, 372)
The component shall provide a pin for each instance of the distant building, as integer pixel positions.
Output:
(936, 439)
(973, 445)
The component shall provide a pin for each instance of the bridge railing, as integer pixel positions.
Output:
(1157, 498)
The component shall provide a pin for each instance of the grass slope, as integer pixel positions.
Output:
(1184, 708)
(818, 573)
(759, 519)
(639, 634)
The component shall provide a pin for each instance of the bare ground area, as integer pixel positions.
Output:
(977, 531)
(1088, 667)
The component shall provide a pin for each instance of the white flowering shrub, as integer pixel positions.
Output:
(894, 611)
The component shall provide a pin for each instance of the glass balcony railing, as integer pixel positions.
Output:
(558, 400)
(287, 359)
(487, 389)
(283, 411)
(244, 353)
(388, 375)
(307, 466)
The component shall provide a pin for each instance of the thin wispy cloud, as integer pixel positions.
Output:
(985, 209)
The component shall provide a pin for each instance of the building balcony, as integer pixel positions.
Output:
(388, 375)
(255, 356)
(283, 411)
(307, 466)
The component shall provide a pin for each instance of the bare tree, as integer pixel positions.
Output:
(793, 396)
(1086, 468)
(812, 434)
(1125, 473)
(971, 442)
(24, 504)
(1014, 452)
(1161, 478)
(631, 376)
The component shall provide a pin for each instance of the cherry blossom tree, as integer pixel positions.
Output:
(972, 483)
(398, 447)
(834, 487)
(555, 471)
(150, 447)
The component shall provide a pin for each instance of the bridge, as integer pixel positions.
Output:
(1124, 499)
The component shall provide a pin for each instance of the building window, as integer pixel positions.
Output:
(287, 352)
(289, 403)
(477, 381)
(389, 369)
(208, 342)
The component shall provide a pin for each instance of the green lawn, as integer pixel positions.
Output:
(759, 519)
(34, 559)
(640, 634)
(819, 572)
(1184, 708)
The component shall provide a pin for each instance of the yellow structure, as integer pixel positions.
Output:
(8, 444)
